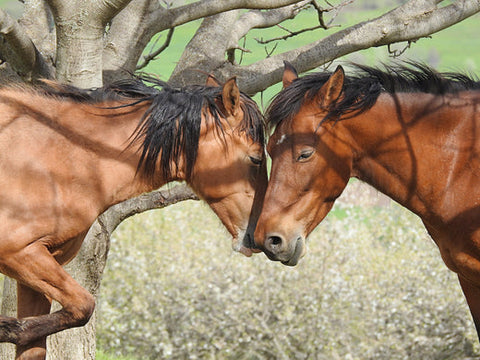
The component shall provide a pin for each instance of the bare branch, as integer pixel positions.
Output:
(321, 20)
(200, 9)
(395, 52)
(419, 19)
(152, 55)
(142, 19)
(154, 200)
(289, 35)
(110, 8)
(332, 8)
(18, 50)
(270, 52)
(256, 19)
(37, 22)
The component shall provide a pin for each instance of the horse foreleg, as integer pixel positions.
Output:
(36, 268)
(472, 294)
(31, 303)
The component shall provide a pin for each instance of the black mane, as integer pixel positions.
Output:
(171, 125)
(361, 90)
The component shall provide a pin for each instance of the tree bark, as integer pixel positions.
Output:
(408, 22)
(9, 308)
(80, 27)
(17, 49)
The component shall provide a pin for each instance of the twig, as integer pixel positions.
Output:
(269, 53)
(290, 34)
(320, 12)
(396, 53)
(154, 54)
(321, 20)
(244, 46)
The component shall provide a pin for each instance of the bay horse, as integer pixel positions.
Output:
(410, 132)
(66, 155)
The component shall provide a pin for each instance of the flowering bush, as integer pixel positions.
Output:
(372, 286)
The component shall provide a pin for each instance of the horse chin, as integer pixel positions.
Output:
(299, 252)
(243, 244)
(239, 247)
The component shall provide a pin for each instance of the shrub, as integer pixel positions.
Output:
(372, 286)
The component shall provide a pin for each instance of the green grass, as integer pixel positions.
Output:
(103, 356)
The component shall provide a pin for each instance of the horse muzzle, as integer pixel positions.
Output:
(288, 252)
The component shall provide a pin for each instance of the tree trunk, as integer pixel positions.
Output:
(86, 268)
(9, 308)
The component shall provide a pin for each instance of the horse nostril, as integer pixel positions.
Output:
(274, 243)
(275, 240)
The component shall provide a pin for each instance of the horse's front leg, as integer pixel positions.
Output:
(37, 269)
(31, 303)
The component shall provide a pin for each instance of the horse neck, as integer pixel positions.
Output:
(108, 133)
(404, 138)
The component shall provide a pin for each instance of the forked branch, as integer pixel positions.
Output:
(335, 9)
(154, 53)
(19, 51)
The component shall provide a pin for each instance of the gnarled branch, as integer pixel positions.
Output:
(18, 50)
(418, 19)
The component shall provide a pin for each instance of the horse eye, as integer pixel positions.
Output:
(304, 155)
(255, 160)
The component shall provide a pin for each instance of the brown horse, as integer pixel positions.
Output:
(68, 154)
(410, 132)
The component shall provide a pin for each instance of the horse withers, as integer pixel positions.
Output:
(409, 131)
(67, 155)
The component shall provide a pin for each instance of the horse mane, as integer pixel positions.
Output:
(362, 88)
(170, 127)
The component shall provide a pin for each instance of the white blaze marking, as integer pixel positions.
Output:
(282, 139)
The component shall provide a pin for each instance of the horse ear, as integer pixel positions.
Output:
(289, 74)
(231, 96)
(212, 81)
(331, 90)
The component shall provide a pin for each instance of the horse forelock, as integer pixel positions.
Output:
(170, 128)
(363, 86)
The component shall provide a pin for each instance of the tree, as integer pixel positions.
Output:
(90, 43)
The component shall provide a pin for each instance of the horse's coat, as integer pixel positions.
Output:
(66, 155)
(410, 132)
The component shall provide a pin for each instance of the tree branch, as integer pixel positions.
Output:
(129, 33)
(213, 31)
(408, 22)
(81, 25)
(142, 19)
(157, 199)
(256, 19)
(18, 50)
(289, 34)
(154, 53)
(200, 9)
(321, 21)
